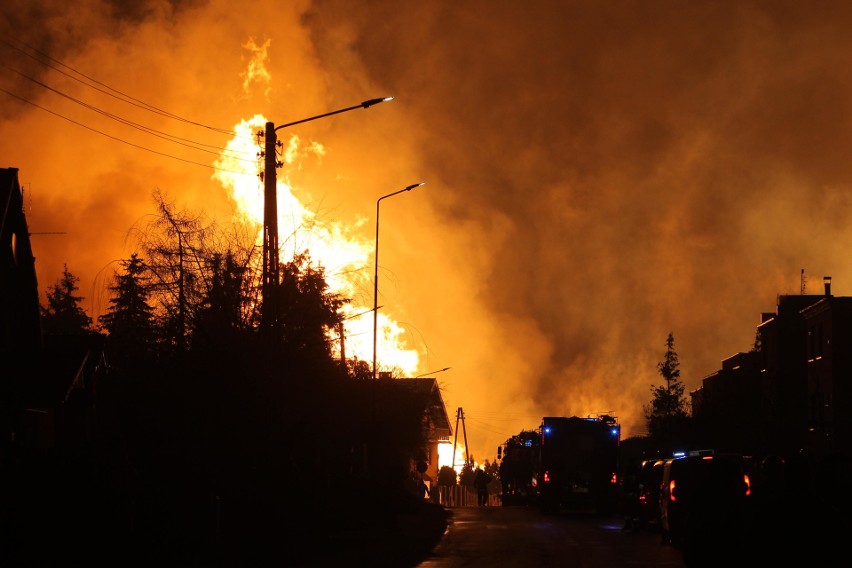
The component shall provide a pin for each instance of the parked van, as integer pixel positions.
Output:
(704, 499)
(650, 486)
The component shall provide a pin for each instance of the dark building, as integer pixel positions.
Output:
(791, 394)
(828, 325)
(19, 316)
(47, 383)
(724, 407)
(784, 375)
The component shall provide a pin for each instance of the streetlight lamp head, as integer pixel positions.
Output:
(371, 102)
(412, 186)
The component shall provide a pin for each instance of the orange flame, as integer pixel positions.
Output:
(345, 256)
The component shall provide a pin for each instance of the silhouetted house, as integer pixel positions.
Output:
(58, 414)
(46, 382)
(829, 369)
(19, 315)
(415, 407)
(20, 332)
(725, 407)
(436, 423)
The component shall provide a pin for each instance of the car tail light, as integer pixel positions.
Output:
(672, 490)
(546, 476)
(747, 482)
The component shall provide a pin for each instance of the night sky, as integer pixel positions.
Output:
(598, 174)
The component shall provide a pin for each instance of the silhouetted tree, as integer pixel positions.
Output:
(758, 342)
(202, 280)
(308, 311)
(358, 369)
(467, 473)
(129, 320)
(447, 476)
(225, 318)
(493, 469)
(63, 314)
(666, 414)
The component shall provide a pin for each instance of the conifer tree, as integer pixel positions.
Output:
(63, 315)
(667, 412)
(129, 320)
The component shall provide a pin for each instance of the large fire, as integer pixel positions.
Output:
(449, 457)
(347, 259)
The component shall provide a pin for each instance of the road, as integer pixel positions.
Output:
(520, 537)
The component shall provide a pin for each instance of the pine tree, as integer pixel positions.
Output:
(667, 413)
(129, 320)
(63, 315)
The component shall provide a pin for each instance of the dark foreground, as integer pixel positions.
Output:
(524, 537)
(403, 539)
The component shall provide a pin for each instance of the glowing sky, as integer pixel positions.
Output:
(599, 174)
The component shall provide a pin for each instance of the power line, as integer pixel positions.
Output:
(117, 139)
(114, 92)
(159, 134)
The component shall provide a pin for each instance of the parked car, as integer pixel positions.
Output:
(704, 502)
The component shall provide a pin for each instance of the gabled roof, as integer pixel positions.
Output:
(20, 330)
(68, 365)
(432, 399)
(426, 392)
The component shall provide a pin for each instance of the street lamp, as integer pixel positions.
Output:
(376, 273)
(269, 307)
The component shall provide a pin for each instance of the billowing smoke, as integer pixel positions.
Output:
(598, 174)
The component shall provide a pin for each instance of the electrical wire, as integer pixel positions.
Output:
(117, 139)
(119, 95)
(111, 91)
(159, 134)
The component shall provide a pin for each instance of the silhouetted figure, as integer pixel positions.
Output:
(480, 482)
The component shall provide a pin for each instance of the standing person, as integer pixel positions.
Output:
(480, 482)
(422, 488)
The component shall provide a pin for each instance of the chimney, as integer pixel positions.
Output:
(827, 281)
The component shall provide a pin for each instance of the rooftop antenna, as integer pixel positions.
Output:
(804, 283)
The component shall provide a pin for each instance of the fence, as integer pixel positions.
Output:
(461, 496)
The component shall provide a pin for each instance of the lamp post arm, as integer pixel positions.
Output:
(365, 104)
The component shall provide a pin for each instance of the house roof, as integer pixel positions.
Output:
(20, 330)
(429, 392)
(68, 365)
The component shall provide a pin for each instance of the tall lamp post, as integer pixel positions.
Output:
(269, 307)
(376, 273)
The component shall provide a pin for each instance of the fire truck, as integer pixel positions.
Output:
(568, 463)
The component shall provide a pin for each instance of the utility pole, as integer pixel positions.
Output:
(269, 312)
(460, 416)
(269, 287)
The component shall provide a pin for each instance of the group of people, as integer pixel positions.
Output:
(481, 480)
